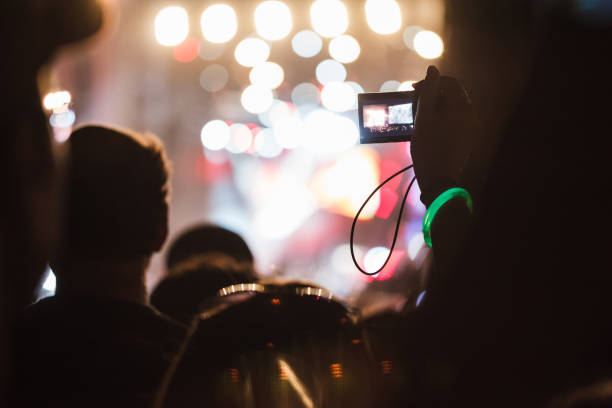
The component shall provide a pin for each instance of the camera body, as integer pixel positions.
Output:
(386, 116)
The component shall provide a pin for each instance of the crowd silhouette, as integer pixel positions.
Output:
(517, 311)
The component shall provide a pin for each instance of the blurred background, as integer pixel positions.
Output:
(256, 102)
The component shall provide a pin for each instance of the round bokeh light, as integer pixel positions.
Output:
(344, 49)
(428, 44)
(214, 78)
(171, 26)
(338, 96)
(329, 17)
(251, 51)
(273, 20)
(256, 99)
(215, 135)
(383, 16)
(267, 75)
(330, 70)
(306, 43)
(219, 23)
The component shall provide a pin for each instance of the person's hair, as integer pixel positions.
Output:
(207, 238)
(191, 283)
(117, 192)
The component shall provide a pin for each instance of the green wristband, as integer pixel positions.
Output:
(439, 203)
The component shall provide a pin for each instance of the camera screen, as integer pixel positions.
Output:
(385, 119)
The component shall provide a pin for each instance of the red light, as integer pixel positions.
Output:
(388, 199)
(187, 51)
(394, 260)
(388, 168)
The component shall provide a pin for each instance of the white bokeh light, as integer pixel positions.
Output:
(210, 51)
(171, 26)
(338, 96)
(279, 110)
(213, 78)
(273, 20)
(329, 133)
(266, 145)
(390, 86)
(357, 89)
(409, 33)
(375, 258)
(383, 16)
(305, 93)
(215, 135)
(251, 51)
(428, 44)
(329, 17)
(289, 132)
(63, 119)
(267, 75)
(406, 86)
(55, 100)
(306, 43)
(240, 138)
(415, 245)
(344, 49)
(218, 23)
(256, 99)
(330, 70)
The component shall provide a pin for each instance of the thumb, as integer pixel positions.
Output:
(429, 90)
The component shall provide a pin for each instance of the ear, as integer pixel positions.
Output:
(160, 230)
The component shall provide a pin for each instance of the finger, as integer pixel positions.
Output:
(429, 90)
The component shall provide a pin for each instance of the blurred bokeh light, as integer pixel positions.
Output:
(215, 135)
(213, 78)
(344, 49)
(171, 26)
(329, 17)
(219, 23)
(428, 44)
(256, 99)
(251, 51)
(383, 16)
(267, 75)
(338, 96)
(306, 43)
(273, 20)
(330, 70)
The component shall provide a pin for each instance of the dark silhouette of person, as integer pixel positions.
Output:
(204, 239)
(32, 33)
(192, 282)
(97, 342)
(517, 307)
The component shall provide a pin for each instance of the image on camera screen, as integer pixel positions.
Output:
(388, 120)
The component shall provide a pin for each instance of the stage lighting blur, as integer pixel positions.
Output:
(256, 99)
(375, 258)
(415, 245)
(306, 43)
(56, 100)
(420, 298)
(342, 186)
(338, 96)
(383, 16)
(187, 51)
(273, 20)
(171, 26)
(210, 51)
(406, 86)
(251, 51)
(329, 17)
(289, 132)
(266, 145)
(329, 133)
(240, 138)
(63, 119)
(409, 33)
(428, 44)
(357, 89)
(341, 257)
(390, 86)
(305, 93)
(279, 110)
(50, 281)
(344, 49)
(330, 70)
(214, 78)
(219, 23)
(284, 209)
(215, 135)
(267, 75)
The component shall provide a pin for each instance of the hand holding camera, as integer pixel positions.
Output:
(443, 134)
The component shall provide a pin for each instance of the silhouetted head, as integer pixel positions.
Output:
(205, 239)
(117, 194)
(193, 282)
